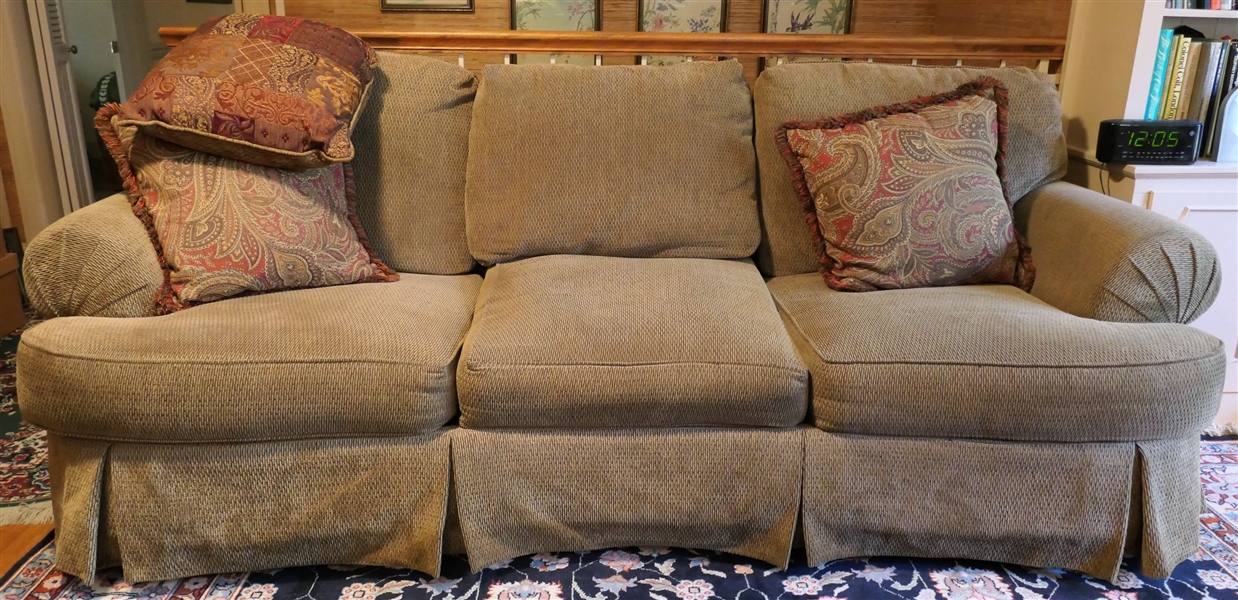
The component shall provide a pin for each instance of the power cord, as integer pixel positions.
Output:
(1105, 183)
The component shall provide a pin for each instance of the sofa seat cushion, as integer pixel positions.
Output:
(587, 341)
(366, 359)
(993, 362)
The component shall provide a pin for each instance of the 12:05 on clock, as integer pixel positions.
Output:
(1139, 142)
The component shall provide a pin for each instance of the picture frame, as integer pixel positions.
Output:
(806, 16)
(681, 16)
(426, 5)
(555, 15)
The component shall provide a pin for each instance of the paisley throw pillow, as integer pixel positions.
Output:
(911, 195)
(222, 227)
(276, 91)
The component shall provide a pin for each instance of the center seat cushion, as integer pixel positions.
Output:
(587, 341)
(343, 361)
(994, 362)
(628, 161)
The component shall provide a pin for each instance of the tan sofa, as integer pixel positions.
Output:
(642, 353)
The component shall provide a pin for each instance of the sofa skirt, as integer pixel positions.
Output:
(735, 490)
(163, 511)
(1075, 506)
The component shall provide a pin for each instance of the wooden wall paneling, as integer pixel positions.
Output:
(1002, 18)
(912, 17)
(990, 18)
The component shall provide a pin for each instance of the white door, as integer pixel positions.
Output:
(60, 101)
(133, 47)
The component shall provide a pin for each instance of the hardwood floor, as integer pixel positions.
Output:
(17, 540)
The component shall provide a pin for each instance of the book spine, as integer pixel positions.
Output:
(1178, 80)
(1157, 89)
(1229, 82)
(1216, 5)
(1205, 80)
(1208, 111)
(1189, 79)
(1174, 47)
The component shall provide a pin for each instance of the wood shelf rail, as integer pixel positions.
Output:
(1045, 51)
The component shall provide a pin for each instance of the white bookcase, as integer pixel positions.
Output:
(1110, 51)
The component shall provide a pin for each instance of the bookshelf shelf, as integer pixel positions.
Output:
(1195, 13)
(1202, 169)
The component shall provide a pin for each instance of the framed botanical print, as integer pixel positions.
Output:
(428, 5)
(556, 15)
(807, 16)
(682, 16)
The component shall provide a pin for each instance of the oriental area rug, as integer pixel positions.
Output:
(637, 573)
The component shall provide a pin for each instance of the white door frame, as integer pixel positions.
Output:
(64, 122)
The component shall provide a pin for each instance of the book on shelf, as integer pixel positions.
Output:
(1158, 75)
(1227, 84)
(1175, 77)
(1203, 4)
(1188, 80)
(1191, 79)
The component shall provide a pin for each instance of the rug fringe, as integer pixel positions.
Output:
(1221, 430)
(27, 514)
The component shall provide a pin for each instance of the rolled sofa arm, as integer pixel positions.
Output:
(97, 261)
(1105, 259)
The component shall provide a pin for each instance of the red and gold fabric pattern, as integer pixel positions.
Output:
(910, 195)
(277, 91)
(223, 227)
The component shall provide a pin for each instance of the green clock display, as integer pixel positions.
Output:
(1155, 139)
(1139, 142)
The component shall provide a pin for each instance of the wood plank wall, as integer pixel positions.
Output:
(998, 18)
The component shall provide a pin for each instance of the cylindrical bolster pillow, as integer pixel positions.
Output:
(1106, 259)
(97, 261)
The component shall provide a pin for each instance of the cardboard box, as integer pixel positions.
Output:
(12, 315)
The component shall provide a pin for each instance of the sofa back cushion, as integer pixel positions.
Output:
(621, 161)
(806, 92)
(411, 144)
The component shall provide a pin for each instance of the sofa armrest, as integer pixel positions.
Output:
(97, 261)
(1105, 259)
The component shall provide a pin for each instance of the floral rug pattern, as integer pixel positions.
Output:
(636, 573)
(23, 447)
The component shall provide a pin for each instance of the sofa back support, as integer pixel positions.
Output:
(574, 197)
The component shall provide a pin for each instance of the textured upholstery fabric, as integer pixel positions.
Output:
(1169, 474)
(616, 161)
(994, 362)
(97, 261)
(271, 90)
(814, 90)
(1105, 259)
(366, 359)
(910, 194)
(589, 341)
(535, 491)
(1060, 505)
(76, 470)
(287, 503)
(412, 142)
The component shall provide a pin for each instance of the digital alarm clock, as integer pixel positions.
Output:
(1135, 142)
